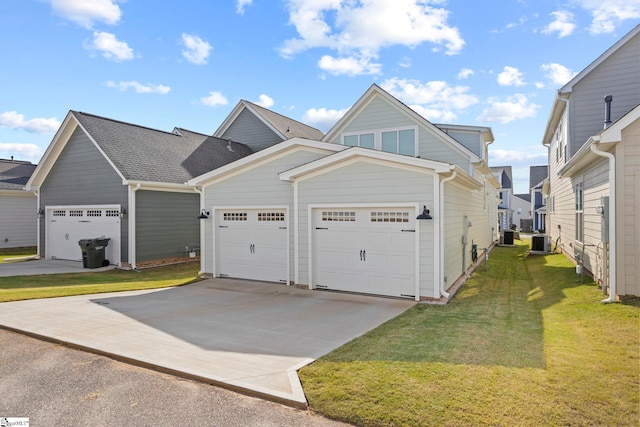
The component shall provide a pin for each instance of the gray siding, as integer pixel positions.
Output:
(259, 186)
(372, 184)
(251, 131)
(82, 176)
(18, 220)
(471, 140)
(619, 76)
(165, 223)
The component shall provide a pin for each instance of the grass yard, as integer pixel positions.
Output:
(521, 345)
(57, 285)
(9, 255)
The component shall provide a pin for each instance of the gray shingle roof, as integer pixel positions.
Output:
(537, 174)
(287, 126)
(145, 154)
(14, 174)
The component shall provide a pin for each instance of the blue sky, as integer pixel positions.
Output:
(187, 63)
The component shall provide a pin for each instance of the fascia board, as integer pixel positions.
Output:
(161, 186)
(252, 159)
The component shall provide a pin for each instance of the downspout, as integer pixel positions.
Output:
(203, 244)
(132, 225)
(612, 220)
(443, 291)
(37, 193)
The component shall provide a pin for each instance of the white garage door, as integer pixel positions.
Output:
(252, 244)
(67, 225)
(365, 250)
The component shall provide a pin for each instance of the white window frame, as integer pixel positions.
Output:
(377, 138)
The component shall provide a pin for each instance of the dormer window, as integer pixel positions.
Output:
(400, 141)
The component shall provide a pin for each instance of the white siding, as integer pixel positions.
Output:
(371, 184)
(18, 220)
(259, 186)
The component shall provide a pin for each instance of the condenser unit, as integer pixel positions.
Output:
(541, 243)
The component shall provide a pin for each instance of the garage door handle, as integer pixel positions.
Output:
(409, 231)
(223, 226)
(322, 228)
(364, 255)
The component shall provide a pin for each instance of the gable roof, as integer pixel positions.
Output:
(563, 94)
(143, 154)
(283, 126)
(14, 174)
(506, 171)
(375, 90)
(526, 197)
(537, 174)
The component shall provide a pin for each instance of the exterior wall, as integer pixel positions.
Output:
(379, 114)
(628, 212)
(82, 176)
(18, 219)
(619, 76)
(367, 183)
(166, 222)
(251, 131)
(462, 206)
(521, 206)
(561, 200)
(259, 186)
(471, 140)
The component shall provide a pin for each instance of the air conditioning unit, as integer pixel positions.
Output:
(541, 243)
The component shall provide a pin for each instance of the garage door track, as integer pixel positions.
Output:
(247, 336)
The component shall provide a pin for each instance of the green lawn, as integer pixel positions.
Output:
(523, 344)
(58, 285)
(8, 255)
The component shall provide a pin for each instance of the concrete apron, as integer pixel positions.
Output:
(250, 337)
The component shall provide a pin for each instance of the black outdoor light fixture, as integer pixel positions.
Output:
(40, 213)
(204, 214)
(424, 214)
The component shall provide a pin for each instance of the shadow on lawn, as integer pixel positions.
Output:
(496, 318)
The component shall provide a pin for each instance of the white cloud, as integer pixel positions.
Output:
(607, 15)
(265, 101)
(323, 118)
(195, 49)
(13, 120)
(563, 24)
(349, 66)
(241, 4)
(511, 108)
(358, 30)
(465, 73)
(558, 74)
(139, 87)
(214, 99)
(510, 76)
(405, 62)
(86, 12)
(508, 157)
(29, 152)
(434, 100)
(110, 47)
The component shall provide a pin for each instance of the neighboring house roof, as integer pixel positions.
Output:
(559, 102)
(525, 197)
(143, 154)
(284, 127)
(375, 90)
(537, 174)
(506, 172)
(14, 174)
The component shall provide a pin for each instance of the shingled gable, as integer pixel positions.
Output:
(142, 154)
(375, 90)
(284, 127)
(14, 174)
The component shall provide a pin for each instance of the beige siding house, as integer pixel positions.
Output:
(592, 197)
(386, 203)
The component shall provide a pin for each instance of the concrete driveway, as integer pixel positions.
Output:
(46, 266)
(247, 336)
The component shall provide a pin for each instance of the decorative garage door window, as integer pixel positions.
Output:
(341, 216)
(94, 212)
(270, 216)
(59, 213)
(234, 216)
(75, 212)
(112, 212)
(389, 216)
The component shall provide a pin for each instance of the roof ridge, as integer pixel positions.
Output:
(125, 123)
(22, 162)
(281, 115)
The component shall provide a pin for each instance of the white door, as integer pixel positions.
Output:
(366, 250)
(67, 225)
(252, 244)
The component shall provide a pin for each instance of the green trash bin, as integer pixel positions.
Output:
(93, 254)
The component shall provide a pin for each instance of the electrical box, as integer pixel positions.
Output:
(604, 219)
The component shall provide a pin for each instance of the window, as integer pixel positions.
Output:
(234, 216)
(94, 212)
(270, 216)
(112, 212)
(401, 141)
(74, 212)
(59, 213)
(579, 213)
(389, 216)
(341, 216)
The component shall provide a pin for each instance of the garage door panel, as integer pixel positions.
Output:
(369, 250)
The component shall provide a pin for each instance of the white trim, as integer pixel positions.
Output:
(377, 138)
(310, 227)
(214, 212)
(101, 151)
(160, 186)
(131, 222)
(18, 193)
(436, 236)
(39, 223)
(296, 234)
